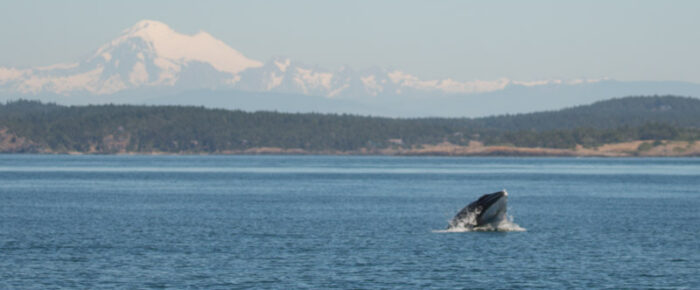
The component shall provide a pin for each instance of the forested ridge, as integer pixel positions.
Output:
(31, 126)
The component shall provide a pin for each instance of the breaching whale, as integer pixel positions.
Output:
(489, 209)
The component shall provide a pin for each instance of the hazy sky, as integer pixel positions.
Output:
(466, 40)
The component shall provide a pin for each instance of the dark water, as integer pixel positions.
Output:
(347, 222)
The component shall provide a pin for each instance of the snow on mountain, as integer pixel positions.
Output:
(149, 54)
(152, 55)
(282, 75)
(172, 48)
(149, 63)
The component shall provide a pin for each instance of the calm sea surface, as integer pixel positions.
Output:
(346, 222)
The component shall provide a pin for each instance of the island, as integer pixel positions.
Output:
(630, 126)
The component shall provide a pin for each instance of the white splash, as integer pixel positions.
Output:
(505, 225)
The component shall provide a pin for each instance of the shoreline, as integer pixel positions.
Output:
(632, 149)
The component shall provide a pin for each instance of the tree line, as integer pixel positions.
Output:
(197, 129)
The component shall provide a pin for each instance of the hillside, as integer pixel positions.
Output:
(29, 126)
(630, 111)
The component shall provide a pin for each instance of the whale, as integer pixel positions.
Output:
(489, 209)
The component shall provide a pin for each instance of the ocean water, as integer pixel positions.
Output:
(345, 222)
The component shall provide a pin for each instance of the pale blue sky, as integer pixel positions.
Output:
(466, 40)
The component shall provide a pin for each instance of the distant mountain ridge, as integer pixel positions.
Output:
(151, 54)
(150, 63)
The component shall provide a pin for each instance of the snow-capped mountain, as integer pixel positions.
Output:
(146, 55)
(150, 59)
(151, 54)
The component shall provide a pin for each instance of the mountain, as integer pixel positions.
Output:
(150, 63)
(149, 54)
